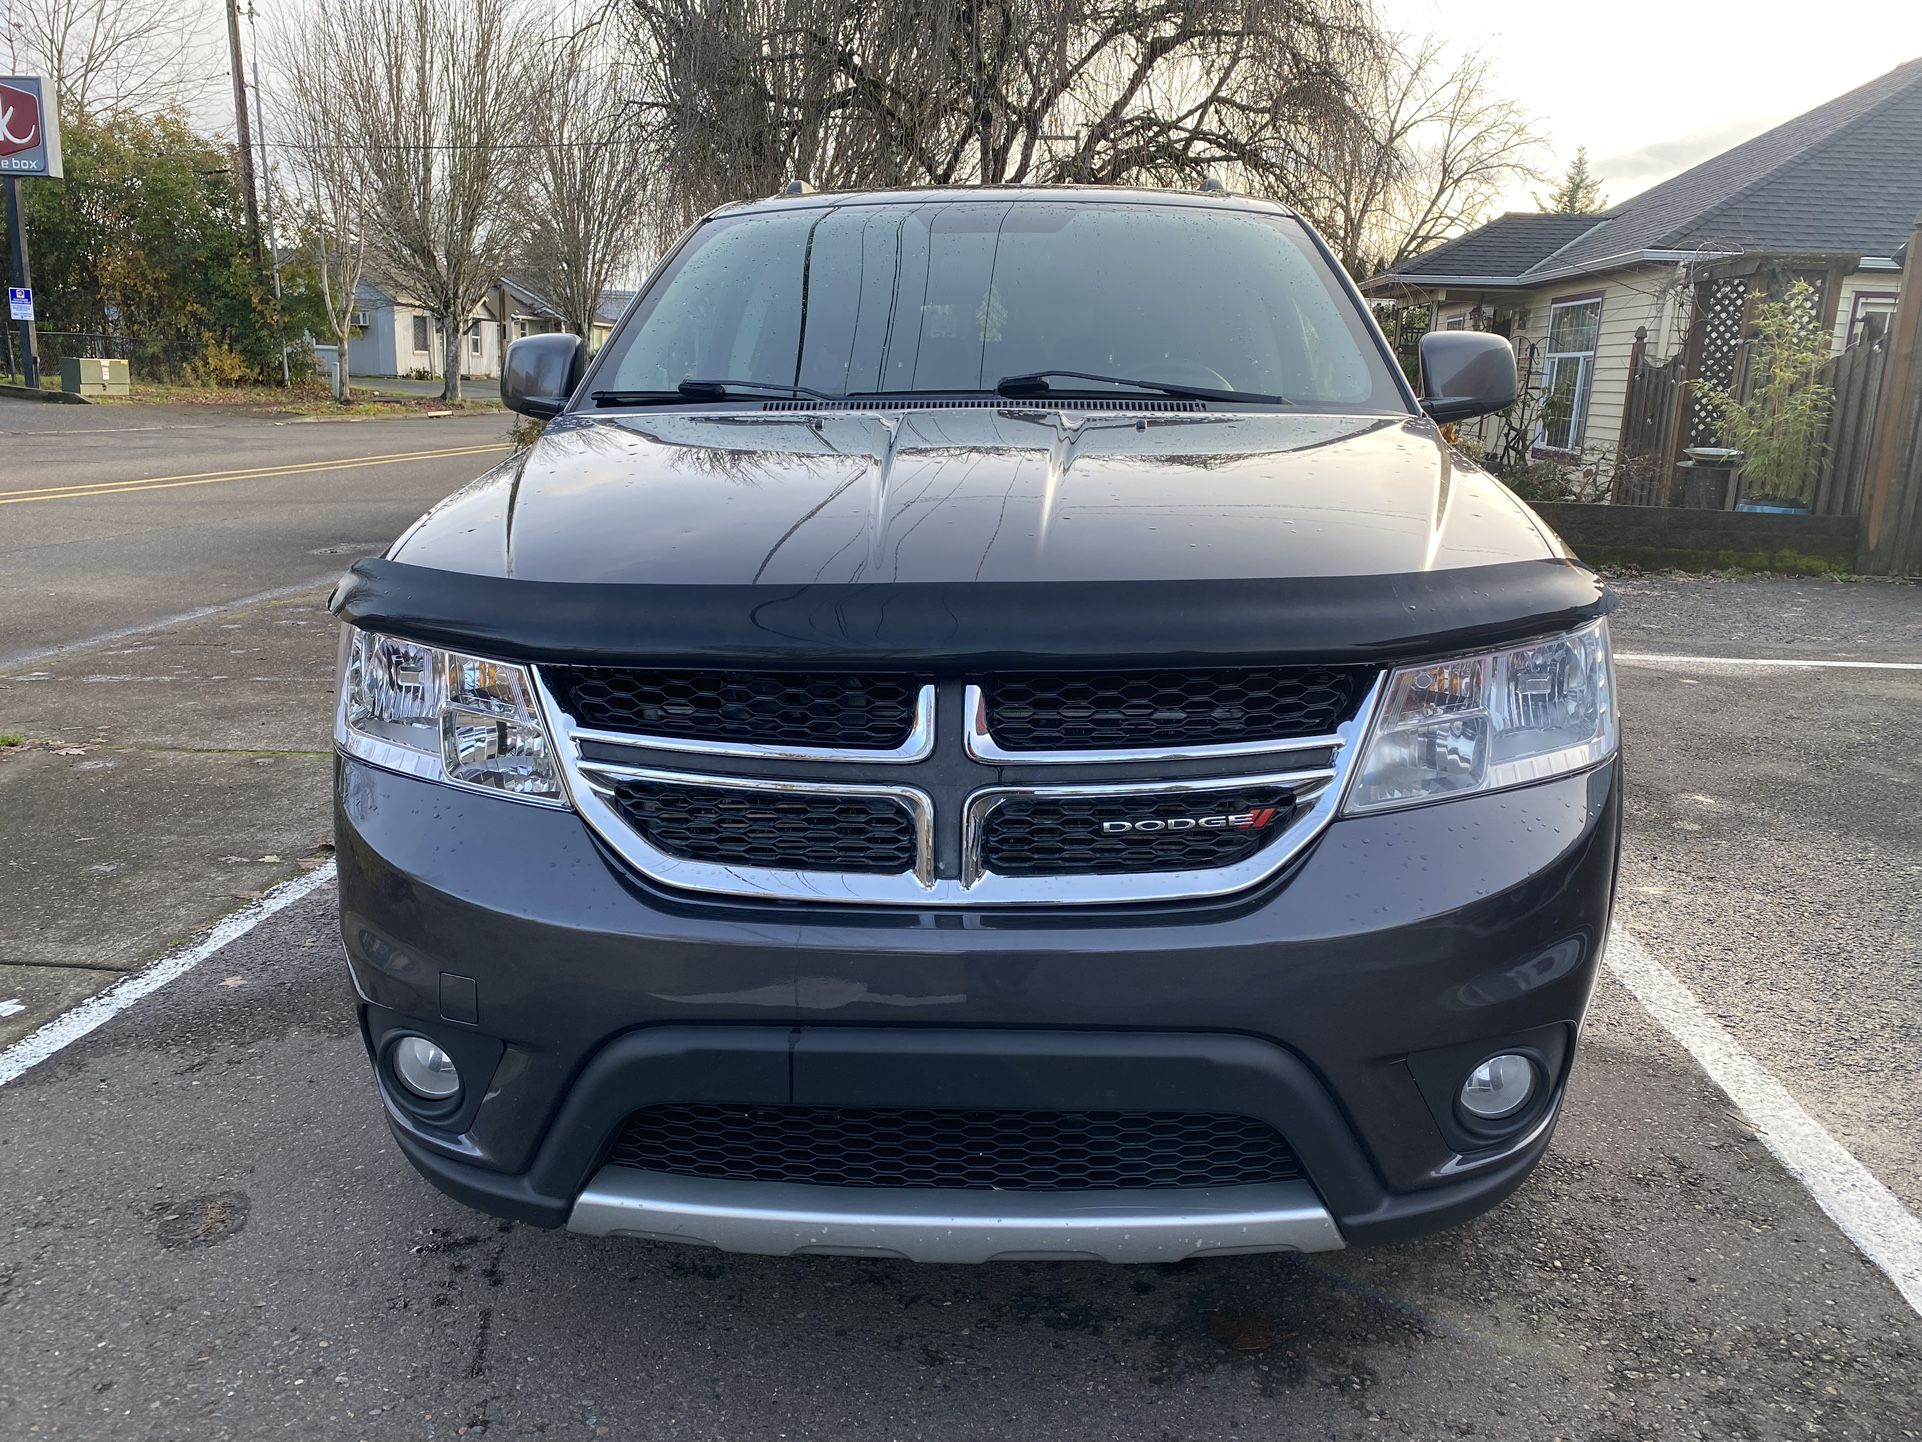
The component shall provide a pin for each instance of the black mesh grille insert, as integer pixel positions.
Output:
(1083, 836)
(784, 830)
(758, 707)
(1051, 712)
(991, 1150)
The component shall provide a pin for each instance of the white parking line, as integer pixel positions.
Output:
(1869, 1214)
(1644, 658)
(64, 1030)
(12, 1006)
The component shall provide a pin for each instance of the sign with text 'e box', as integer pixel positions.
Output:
(29, 128)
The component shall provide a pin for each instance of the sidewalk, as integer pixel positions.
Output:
(138, 811)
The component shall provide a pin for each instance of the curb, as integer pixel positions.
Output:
(57, 397)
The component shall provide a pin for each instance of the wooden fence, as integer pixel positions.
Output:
(1651, 425)
(1856, 378)
(1891, 501)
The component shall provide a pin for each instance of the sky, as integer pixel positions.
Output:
(1649, 86)
(1653, 86)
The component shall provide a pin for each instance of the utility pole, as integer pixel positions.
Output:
(266, 178)
(243, 132)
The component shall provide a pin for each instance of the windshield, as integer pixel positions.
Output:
(958, 295)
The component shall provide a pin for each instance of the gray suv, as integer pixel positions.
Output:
(991, 724)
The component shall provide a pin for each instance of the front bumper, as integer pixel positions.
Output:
(1341, 1003)
(782, 1219)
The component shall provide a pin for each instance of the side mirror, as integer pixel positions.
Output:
(541, 373)
(1466, 373)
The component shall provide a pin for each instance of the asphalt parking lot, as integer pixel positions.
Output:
(205, 1232)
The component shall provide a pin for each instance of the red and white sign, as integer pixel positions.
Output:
(29, 129)
(20, 127)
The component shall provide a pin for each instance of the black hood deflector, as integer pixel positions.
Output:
(980, 625)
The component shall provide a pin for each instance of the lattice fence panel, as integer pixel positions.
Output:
(1721, 320)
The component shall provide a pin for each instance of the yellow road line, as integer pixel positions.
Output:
(80, 490)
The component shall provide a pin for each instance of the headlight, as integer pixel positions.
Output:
(1480, 723)
(443, 716)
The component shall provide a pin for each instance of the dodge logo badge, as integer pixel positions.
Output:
(1233, 821)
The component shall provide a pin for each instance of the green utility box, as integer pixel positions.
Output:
(90, 377)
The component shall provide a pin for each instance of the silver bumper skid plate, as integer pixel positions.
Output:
(789, 1219)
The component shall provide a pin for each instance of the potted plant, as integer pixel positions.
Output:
(1777, 428)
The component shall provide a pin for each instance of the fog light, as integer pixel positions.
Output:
(1499, 1087)
(424, 1069)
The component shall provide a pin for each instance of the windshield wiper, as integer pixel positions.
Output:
(1035, 383)
(701, 390)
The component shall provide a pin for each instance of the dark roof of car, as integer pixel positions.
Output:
(1844, 178)
(1070, 194)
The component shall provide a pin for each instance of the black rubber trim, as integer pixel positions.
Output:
(977, 626)
(966, 1067)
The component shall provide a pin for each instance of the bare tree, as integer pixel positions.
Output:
(328, 168)
(434, 100)
(741, 95)
(106, 55)
(587, 181)
(1424, 151)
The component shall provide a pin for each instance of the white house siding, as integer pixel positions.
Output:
(1630, 299)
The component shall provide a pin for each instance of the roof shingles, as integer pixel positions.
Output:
(1844, 178)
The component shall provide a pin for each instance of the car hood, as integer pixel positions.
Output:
(975, 494)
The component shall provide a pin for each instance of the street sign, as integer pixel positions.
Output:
(29, 128)
(19, 303)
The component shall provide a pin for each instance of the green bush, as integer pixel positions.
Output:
(146, 241)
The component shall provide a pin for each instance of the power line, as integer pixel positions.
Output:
(400, 145)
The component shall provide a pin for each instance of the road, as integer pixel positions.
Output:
(205, 1232)
(117, 517)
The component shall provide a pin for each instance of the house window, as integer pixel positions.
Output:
(474, 338)
(1869, 315)
(1455, 322)
(420, 335)
(1568, 372)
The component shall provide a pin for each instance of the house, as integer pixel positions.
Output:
(395, 336)
(1671, 276)
(524, 309)
(527, 311)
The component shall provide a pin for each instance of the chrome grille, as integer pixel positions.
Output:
(977, 1150)
(941, 821)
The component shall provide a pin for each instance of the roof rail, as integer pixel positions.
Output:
(1211, 185)
(797, 187)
